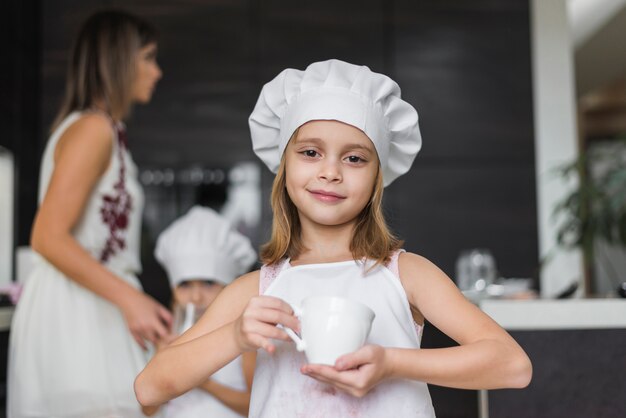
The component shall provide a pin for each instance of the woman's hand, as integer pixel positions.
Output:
(257, 324)
(355, 373)
(147, 319)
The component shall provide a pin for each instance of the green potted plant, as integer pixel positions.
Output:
(595, 210)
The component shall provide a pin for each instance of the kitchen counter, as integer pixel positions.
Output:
(547, 314)
(576, 346)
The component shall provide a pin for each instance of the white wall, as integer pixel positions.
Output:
(555, 133)
(6, 216)
(588, 16)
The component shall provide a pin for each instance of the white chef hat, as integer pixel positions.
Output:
(337, 90)
(203, 245)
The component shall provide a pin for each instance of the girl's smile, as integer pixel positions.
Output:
(327, 196)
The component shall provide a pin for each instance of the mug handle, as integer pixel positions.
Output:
(300, 344)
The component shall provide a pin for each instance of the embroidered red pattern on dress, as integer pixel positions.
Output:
(116, 207)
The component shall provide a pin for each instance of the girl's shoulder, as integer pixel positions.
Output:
(407, 256)
(419, 277)
(269, 272)
(419, 274)
(414, 266)
(249, 279)
(245, 286)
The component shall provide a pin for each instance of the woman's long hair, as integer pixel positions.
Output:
(371, 238)
(102, 64)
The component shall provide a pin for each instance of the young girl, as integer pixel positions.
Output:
(201, 254)
(81, 325)
(336, 134)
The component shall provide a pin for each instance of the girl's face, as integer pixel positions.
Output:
(147, 73)
(331, 169)
(199, 292)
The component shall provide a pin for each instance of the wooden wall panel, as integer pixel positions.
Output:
(442, 209)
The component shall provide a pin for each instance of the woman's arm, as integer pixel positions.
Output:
(81, 157)
(237, 320)
(238, 401)
(487, 357)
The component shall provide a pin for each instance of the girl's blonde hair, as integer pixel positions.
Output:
(371, 238)
(102, 64)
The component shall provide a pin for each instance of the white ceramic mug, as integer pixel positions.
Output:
(331, 327)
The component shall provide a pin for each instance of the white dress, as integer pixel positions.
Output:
(197, 403)
(71, 354)
(280, 390)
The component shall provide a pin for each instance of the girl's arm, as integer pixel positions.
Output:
(487, 356)
(237, 320)
(81, 157)
(236, 400)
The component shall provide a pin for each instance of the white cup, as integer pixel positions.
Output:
(331, 327)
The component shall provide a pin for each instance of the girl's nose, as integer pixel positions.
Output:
(330, 171)
(196, 295)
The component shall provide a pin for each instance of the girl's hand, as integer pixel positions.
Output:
(355, 373)
(147, 319)
(258, 323)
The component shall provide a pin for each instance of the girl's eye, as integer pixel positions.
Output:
(310, 153)
(355, 159)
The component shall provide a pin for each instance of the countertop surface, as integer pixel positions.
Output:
(547, 314)
(538, 314)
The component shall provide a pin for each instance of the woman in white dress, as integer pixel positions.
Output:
(83, 324)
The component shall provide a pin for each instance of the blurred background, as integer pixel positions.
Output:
(506, 91)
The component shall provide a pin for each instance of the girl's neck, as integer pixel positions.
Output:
(325, 244)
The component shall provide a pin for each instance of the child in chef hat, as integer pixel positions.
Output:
(201, 254)
(336, 134)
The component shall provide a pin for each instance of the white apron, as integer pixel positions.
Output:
(280, 390)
